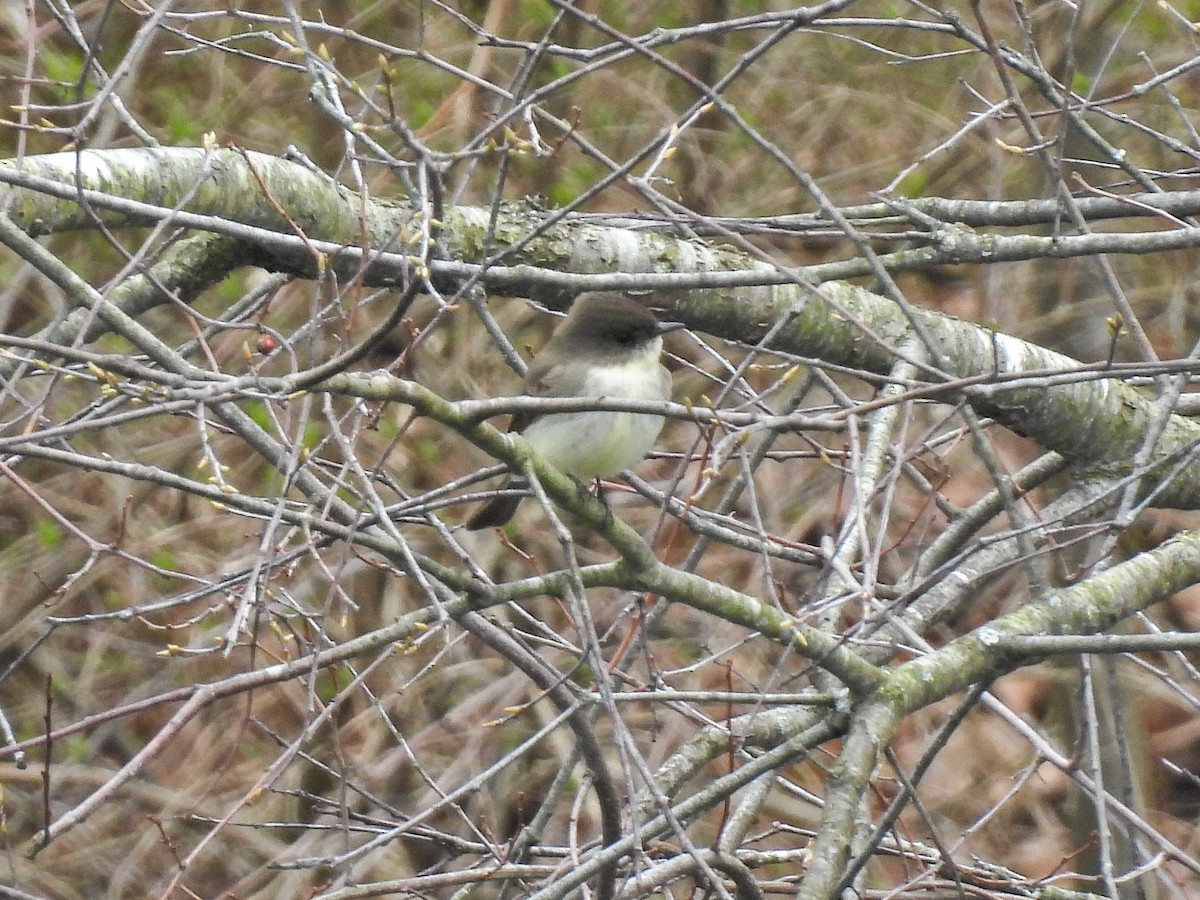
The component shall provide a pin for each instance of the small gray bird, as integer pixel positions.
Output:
(607, 347)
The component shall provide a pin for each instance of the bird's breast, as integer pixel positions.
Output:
(601, 443)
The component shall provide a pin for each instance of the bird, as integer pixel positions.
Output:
(609, 346)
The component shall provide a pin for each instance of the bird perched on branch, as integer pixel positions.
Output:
(607, 347)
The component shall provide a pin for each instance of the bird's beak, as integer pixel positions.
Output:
(667, 327)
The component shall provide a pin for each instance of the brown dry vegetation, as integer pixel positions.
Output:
(112, 586)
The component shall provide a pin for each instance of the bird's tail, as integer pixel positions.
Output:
(499, 509)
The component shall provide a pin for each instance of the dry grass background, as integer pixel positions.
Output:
(852, 105)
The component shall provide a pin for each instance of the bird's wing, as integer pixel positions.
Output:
(547, 380)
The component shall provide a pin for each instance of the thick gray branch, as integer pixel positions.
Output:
(1092, 422)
